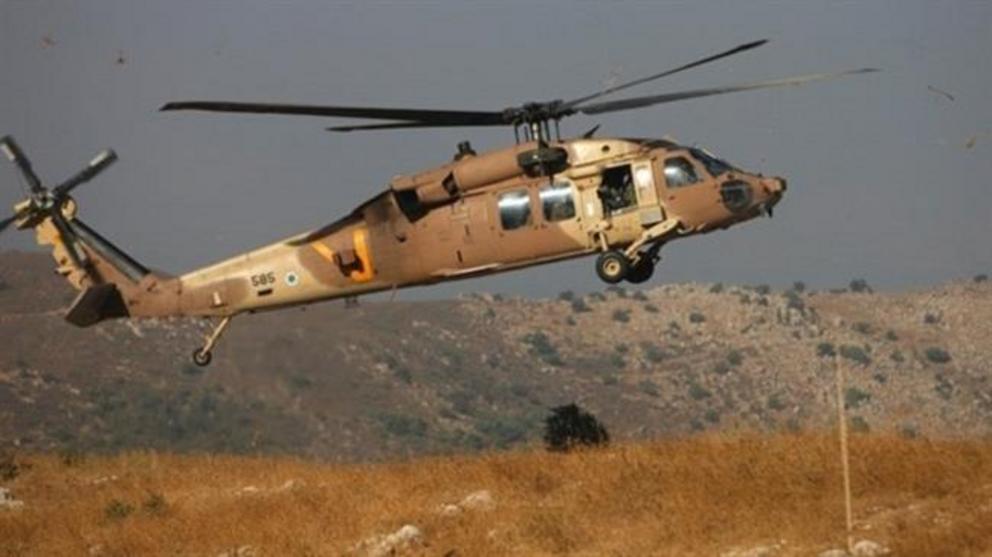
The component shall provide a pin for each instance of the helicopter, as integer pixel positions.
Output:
(540, 200)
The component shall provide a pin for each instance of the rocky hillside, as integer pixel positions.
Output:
(383, 378)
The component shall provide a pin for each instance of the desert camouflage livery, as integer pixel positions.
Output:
(543, 199)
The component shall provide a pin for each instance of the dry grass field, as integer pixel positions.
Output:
(706, 495)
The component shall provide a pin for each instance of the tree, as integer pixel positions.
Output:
(569, 426)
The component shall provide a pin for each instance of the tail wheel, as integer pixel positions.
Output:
(641, 272)
(202, 357)
(612, 266)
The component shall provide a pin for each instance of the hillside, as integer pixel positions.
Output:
(770, 496)
(386, 379)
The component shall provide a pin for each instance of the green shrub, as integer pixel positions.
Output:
(569, 427)
(598, 296)
(117, 510)
(799, 287)
(937, 355)
(859, 425)
(854, 397)
(763, 289)
(776, 403)
(944, 387)
(981, 278)
(712, 416)
(570, 321)
(620, 291)
(653, 353)
(716, 288)
(891, 335)
(897, 357)
(621, 315)
(825, 350)
(859, 286)
(696, 317)
(862, 327)
(155, 504)
(931, 318)
(649, 388)
(735, 358)
(540, 346)
(621, 348)
(579, 305)
(721, 368)
(639, 295)
(566, 296)
(855, 354)
(650, 308)
(794, 301)
(404, 375)
(698, 392)
(403, 426)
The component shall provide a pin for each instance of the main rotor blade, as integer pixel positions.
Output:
(437, 117)
(402, 125)
(708, 59)
(96, 166)
(641, 102)
(16, 156)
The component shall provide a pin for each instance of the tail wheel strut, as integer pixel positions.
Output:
(203, 356)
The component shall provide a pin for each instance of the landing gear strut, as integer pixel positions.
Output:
(202, 356)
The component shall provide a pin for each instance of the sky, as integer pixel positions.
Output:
(889, 179)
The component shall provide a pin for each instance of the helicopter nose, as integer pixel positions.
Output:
(775, 186)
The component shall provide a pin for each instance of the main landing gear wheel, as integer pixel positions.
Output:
(612, 266)
(641, 272)
(202, 357)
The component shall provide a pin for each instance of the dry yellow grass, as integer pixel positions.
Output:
(697, 496)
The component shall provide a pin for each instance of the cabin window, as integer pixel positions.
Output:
(617, 189)
(514, 209)
(557, 202)
(679, 172)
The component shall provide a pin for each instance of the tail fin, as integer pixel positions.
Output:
(90, 263)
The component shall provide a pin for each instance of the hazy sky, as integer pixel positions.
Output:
(882, 183)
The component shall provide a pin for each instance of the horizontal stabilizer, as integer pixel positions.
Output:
(95, 304)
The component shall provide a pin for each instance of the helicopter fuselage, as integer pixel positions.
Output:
(492, 215)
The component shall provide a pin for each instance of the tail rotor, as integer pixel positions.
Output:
(43, 202)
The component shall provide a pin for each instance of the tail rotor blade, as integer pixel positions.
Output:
(16, 156)
(96, 166)
(7, 222)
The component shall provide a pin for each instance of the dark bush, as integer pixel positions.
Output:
(639, 295)
(155, 504)
(937, 355)
(763, 289)
(799, 287)
(859, 425)
(860, 286)
(579, 305)
(117, 510)
(825, 350)
(698, 392)
(931, 318)
(735, 358)
(648, 387)
(621, 315)
(855, 354)
(620, 291)
(650, 308)
(978, 278)
(540, 346)
(716, 288)
(569, 427)
(696, 317)
(862, 327)
(598, 296)
(9, 467)
(776, 403)
(854, 397)
(891, 335)
(653, 353)
(566, 296)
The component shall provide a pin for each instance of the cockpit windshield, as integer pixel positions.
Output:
(713, 165)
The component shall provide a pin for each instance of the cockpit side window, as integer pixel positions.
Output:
(679, 172)
(514, 209)
(713, 165)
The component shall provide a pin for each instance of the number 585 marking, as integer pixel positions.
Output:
(263, 279)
